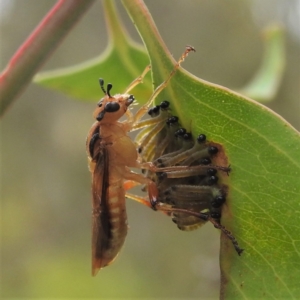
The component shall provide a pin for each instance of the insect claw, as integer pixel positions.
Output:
(228, 234)
(154, 203)
(239, 250)
(153, 194)
(190, 48)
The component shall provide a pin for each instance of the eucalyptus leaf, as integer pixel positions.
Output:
(122, 61)
(264, 85)
(263, 150)
(262, 208)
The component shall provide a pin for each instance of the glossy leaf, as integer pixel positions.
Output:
(123, 57)
(264, 187)
(37, 48)
(263, 87)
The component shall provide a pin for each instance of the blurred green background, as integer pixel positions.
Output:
(45, 183)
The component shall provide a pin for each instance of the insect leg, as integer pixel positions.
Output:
(157, 114)
(142, 111)
(146, 202)
(129, 184)
(133, 84)
(151, 186)
(186, 170)
(204, 217)
(148, 139)
(138, 80)
(139, 199)
(228, 234)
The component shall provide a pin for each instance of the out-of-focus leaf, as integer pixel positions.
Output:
(122, 56)
(264, 187)
(263, 87)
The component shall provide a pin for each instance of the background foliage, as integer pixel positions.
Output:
(45, 210)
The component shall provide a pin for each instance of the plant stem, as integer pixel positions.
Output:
(148, 31)
(38, 47)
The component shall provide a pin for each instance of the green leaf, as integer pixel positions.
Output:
(122, 56)
(263, 87)
(264, 187)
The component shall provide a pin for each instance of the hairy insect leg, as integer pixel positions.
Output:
(183, 171)
(132, 85)
(138, 80)
(151, 186)
(203, 216)
(129, 184)
(148, 139)
(142, 111)
(139, 199)
(228, 234)
(169, 209)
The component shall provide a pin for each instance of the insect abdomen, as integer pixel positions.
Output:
(112, 222)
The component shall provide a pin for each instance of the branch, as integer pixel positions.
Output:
(38, 47)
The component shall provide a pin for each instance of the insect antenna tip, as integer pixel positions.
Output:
(101, 82)
(109, 87)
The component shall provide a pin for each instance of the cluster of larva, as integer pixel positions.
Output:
(186, 177)
(178, 173)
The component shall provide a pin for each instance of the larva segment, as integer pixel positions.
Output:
(111, 154)
(187, 181)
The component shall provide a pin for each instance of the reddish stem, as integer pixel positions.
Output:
(38, 47)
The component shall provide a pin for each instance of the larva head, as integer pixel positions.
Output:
(111, 108)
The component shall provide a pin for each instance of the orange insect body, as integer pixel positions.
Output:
(111, 154)
(109, 214)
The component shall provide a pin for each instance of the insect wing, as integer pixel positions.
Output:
(101, 226)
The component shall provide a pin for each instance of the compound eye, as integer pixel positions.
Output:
(112, 106)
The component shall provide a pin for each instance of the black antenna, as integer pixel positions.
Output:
(101, 81)
(109, 87)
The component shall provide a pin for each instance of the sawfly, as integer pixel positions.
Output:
(186, 175)
(112, 154)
